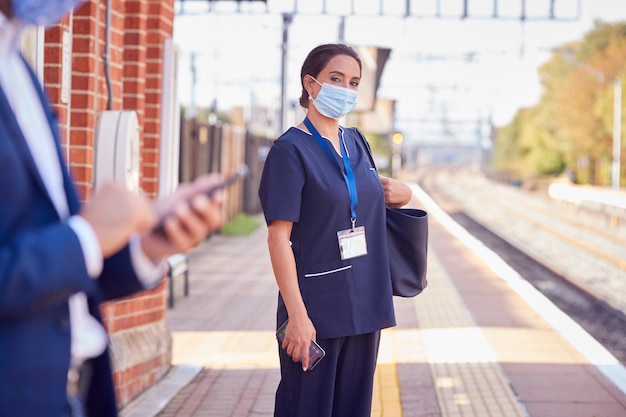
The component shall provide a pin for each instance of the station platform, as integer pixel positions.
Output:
(478, 342)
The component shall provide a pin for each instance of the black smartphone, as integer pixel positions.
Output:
(316, 353)
(238, 174)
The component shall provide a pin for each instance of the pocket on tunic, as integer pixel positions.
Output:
(326, 291)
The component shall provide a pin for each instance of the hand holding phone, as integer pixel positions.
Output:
(316, 353)
(231, 179)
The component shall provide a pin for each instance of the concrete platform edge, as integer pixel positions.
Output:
(152, 401)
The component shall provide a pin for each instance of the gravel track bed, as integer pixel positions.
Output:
(591, 291)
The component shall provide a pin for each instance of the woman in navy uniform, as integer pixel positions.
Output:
(324, 204)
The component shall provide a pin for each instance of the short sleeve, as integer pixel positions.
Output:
(280, 190)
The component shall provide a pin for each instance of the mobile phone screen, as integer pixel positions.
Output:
(316, 353)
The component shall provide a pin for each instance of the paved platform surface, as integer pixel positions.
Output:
(479, 342)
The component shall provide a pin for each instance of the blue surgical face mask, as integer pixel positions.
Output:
(334, 101)
(42, 12)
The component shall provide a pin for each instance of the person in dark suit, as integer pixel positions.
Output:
(59, 260)
(324, 204)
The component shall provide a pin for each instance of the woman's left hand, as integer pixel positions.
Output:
(397, 193)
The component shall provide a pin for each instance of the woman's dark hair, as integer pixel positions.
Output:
(318, 58)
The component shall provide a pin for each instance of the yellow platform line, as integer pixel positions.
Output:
(386, 396)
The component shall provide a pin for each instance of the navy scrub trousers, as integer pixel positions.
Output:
(341, 385)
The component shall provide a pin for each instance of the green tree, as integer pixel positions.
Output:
(571, 127)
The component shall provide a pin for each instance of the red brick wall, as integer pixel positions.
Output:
(140, 343)
(160, 27)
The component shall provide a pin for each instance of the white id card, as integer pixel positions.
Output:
(352, 242)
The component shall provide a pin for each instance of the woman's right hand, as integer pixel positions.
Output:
(300, 330)
(298, 336)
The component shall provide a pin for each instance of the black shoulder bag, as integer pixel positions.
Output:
(407, 243)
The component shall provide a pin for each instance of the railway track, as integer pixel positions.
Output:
(577, 260)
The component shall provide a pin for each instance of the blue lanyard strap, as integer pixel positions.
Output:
(347, 172)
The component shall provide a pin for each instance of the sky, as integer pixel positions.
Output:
(449, 76)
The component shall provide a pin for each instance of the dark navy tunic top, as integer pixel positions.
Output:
(301, 184)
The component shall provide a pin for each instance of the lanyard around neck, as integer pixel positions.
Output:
(347, 172)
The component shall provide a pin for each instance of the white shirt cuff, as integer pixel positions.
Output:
(148, 273)
(89, 243)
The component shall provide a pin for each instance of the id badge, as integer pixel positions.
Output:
(352, 242)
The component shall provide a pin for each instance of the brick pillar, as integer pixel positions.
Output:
(141, 345)
(85, 92)
(160, 28)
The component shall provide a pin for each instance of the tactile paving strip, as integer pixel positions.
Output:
(467, 377)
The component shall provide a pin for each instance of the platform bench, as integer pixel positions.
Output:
(177, 265)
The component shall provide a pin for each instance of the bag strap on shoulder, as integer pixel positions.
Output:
(366, 144)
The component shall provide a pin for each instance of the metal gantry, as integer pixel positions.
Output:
(406, 10)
